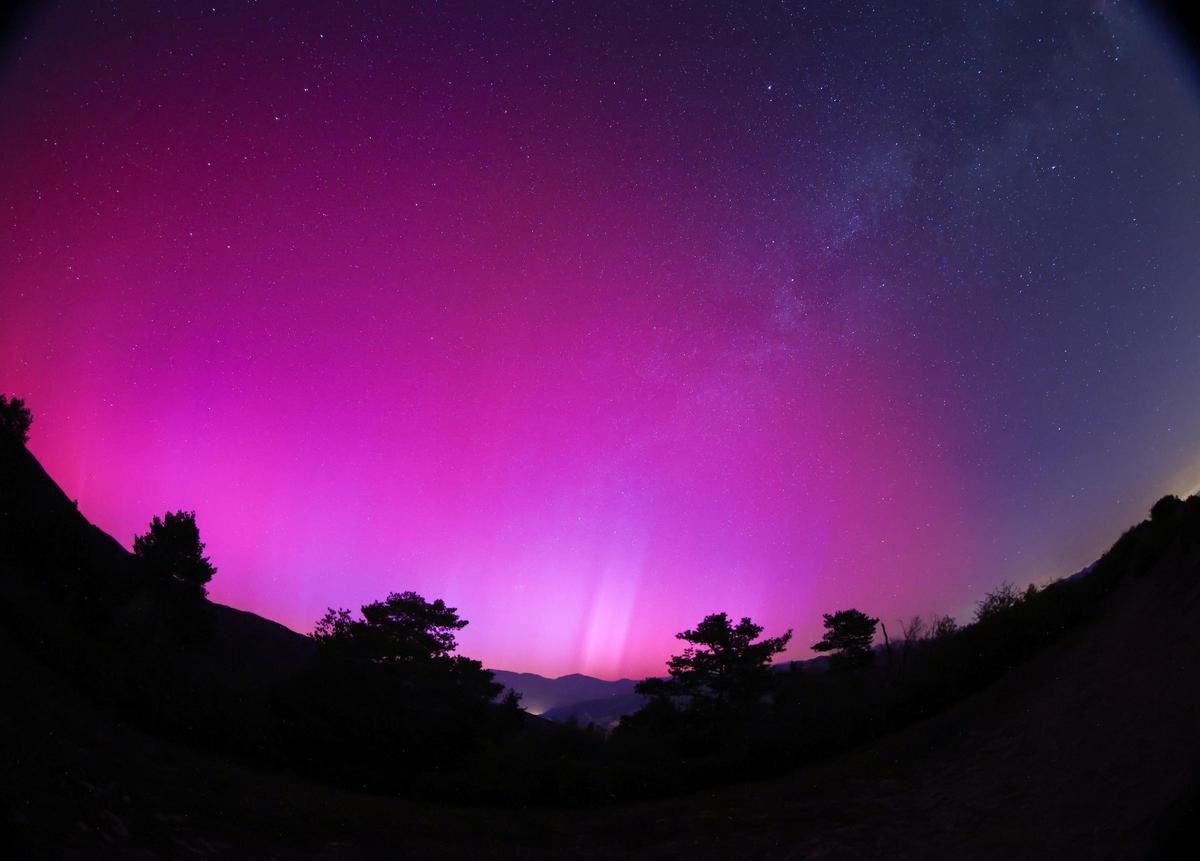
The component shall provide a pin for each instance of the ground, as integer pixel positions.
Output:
(1090, 750)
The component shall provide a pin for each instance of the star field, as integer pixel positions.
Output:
(596, 318)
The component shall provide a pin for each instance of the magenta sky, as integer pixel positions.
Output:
(593, 325)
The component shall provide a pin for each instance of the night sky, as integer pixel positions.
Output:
(596, 318)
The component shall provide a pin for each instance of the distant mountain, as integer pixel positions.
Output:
(540, 694)
(592, 700)
(820, 663)
(605, 712)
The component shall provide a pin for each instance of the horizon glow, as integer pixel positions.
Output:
(593, 325)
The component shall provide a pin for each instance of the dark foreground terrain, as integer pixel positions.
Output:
(1089, 750)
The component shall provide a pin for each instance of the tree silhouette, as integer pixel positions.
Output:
(1167, 508)
(172, 549)
(1003, 598)
(335, 628)
(403, 627)
(848, 635)
(15, 419)
(385, 697)
(941, 627)
(722, 664)
(915, 630)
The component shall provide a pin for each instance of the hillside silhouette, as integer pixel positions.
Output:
(149, 721)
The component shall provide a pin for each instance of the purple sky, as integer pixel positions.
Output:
(595, 319)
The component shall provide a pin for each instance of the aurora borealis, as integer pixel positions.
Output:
(595, 318)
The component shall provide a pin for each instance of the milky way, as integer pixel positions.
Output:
(596, 318)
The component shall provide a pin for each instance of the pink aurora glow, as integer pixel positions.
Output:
(522, 336)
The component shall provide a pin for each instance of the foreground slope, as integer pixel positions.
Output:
(1088, 750)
